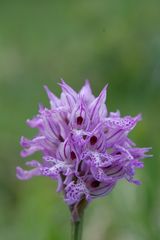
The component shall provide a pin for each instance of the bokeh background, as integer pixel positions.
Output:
(115, 42)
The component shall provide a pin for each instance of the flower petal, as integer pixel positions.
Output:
(54, 101)
(126, 123)
(25, 175)
(86, 93)
(103, 188)
(74, 192)
(97, 107)
(67, 89)
(80, 118)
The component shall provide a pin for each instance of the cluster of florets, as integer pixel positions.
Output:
(83, 147)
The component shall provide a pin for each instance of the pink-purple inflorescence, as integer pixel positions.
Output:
(83, 147)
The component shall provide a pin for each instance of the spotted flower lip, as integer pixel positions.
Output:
(84, 148)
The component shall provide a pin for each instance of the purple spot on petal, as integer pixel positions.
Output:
(118, 153)
(93, 140)
(61, 138)
(95, 184)
(79, 120)
(66, 121)
(106, 130)
(73, 155)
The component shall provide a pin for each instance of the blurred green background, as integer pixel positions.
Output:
(115, 42)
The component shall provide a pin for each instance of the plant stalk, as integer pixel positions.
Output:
(77, 228)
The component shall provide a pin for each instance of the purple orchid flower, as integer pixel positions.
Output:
(84, 148)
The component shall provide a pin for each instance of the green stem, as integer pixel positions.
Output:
(77, 229)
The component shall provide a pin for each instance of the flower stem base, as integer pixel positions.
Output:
(77, 229)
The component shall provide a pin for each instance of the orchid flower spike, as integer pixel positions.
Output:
(84, 148)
